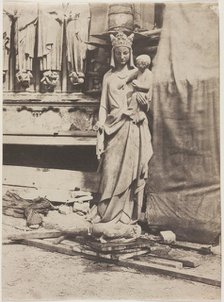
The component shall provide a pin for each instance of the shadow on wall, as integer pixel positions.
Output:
(55, 157)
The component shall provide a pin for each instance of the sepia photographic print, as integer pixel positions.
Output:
(111, 150)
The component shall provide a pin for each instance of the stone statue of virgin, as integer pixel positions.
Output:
(124, 143)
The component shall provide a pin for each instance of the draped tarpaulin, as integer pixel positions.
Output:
(183, 189)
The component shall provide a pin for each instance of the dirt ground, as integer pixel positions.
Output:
(32, 273)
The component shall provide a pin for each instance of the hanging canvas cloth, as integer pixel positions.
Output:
(183, 191)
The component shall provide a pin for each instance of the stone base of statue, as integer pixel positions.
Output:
(110, 231)
(75, 225)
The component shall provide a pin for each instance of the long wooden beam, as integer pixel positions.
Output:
(177, 273)
(34, 235)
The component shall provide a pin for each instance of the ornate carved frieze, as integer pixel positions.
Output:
(33, 117)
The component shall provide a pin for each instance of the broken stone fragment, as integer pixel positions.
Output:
(82, 199)
(168, 236)
(63, 209)
(81, 207)
(80, 193)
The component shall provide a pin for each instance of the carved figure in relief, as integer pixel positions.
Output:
(141, 81)
(50, 41)
(25, 43)
(78, 17)
(7, 21)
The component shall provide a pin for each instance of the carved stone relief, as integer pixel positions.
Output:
(48, 120)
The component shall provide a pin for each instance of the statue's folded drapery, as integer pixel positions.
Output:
(50, 35)
(25, 36)
(124, 164)
(6, 39)
(77, 36)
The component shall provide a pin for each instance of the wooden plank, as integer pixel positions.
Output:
(187, 257)
(50, 178)
(109, 256)
(125, 251)
(165, 262)
(50, 246)
(72, 248)
(115, 247)
(201, 248)
(49, 140)
(35, 235)
(186, 262)
(83, 241)
(131, 255)
(177, 273)
(59, 239)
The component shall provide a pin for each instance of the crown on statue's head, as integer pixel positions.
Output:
(121, 39)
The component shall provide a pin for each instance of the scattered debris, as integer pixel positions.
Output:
(16, 206)
(120, 257)
(64, 209)
(64, 229)
(141, 254)
(81, 208)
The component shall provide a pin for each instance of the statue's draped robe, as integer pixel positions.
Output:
(124, 166)
(6, 39)
(50, 35)
(25, 36)
(77, 36)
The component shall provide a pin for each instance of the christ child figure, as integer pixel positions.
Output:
(141, 81)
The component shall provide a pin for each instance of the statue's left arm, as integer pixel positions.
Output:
(144, 99)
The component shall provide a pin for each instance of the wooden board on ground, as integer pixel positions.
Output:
(188, 258)
(71, 248)
(174, 272)
(165, 262)
(35, 235)
(201, 248)
(50, 178)
(115, 246)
